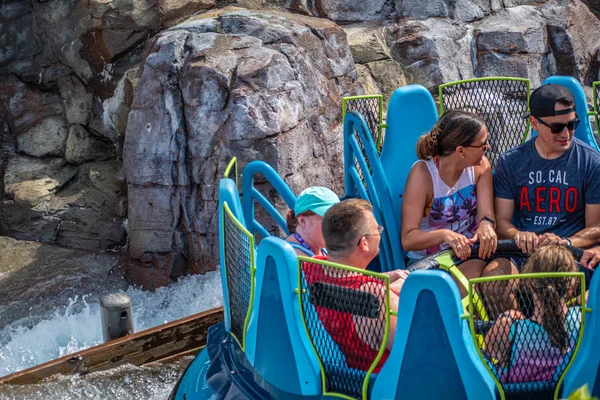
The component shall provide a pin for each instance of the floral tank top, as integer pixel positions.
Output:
(453, 208)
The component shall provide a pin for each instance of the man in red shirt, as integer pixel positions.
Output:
(352, 238)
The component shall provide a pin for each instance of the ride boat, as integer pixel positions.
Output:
(272, 344)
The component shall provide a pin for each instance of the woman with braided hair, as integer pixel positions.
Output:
(532, 344)
(448, 199)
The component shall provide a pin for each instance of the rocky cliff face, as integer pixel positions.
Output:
(250, 84)
(120, 115)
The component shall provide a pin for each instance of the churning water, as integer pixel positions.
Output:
(79, 327)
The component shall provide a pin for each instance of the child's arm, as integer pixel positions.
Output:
(497, 341)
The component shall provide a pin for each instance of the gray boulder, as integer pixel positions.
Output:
(345, 11)
(431, 52)
(82, 146)
(76, 99)
(29, 184)
(572, 46)
(21, 47)
(511, 43)
(52, 201)
(45, 139)
(464, 10)
(264, 86)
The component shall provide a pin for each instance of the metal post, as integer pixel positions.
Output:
(117, 320)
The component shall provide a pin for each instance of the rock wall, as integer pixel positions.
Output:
(118, 117)
(250, 84)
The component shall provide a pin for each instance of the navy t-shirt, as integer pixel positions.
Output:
(549, 195)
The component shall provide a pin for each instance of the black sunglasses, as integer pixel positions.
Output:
(557, 128)
(483, 147)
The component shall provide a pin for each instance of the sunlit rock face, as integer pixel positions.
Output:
(251, 84)
(211, 83)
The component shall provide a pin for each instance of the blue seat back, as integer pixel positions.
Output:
(411, 113)
(584, 131)
(277, 344)
(363, 175)
(585, 368)
(434, 356)
(251, 195)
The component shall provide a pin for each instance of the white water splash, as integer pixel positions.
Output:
(127, 382)
(78, 327)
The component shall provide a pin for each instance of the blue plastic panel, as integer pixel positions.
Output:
(277, 344)
(374, 189)
(433, 348)
(251, 194)
(411, 113)
(586, 365)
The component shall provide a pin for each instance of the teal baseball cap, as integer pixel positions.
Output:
(317, 199)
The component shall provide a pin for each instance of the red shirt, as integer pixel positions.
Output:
(340, 325)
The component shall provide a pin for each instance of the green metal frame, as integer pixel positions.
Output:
(389, 314)
(470, 315)
(229, 214)
(489, 78)
(447, 264)
(595, 100)
(380, 126)
(232, 165)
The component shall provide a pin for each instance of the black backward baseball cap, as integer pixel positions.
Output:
(544, 98)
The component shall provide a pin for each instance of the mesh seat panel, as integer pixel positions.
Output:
(528, 349)
(501, 102)
(239, 268)
(370, 107)
(345, 314)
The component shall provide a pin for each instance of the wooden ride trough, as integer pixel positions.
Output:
(174, 339)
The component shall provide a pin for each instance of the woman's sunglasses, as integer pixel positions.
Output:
(557, 128)
(483, 147)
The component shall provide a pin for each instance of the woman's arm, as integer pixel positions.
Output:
(486, 233)
(485, 190)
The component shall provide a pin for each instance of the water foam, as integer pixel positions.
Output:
(79, 326)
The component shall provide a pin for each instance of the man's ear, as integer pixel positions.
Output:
(363, 244)
(301, 219)
(534, 123)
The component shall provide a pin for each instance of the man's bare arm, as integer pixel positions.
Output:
(504, 212)
(590, 236)
(528, 242)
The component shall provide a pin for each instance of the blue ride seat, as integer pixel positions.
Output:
(585, 367)
(411, 113)
(277, 343)
(434, 356)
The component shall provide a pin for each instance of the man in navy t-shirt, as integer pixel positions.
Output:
(549, 185)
